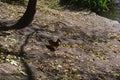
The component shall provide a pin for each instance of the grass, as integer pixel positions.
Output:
(94, 5)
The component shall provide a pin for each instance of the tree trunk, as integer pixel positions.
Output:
(28, 16)
(26, 19)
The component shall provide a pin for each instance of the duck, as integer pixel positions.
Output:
(54, 44)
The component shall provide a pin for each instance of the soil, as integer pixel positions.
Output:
(88, 49)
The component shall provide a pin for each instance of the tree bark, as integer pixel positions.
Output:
(28, 16)
(26, 19)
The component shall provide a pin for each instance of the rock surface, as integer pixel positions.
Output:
(89, 48)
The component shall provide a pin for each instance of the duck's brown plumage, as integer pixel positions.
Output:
(54, 44)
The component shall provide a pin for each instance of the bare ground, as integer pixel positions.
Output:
(89, 48)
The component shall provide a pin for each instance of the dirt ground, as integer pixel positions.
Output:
(88, 49)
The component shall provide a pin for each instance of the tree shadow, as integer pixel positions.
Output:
(28, 71)
(30, 75)
(22, 54)
(23, 22)
(53, 72)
